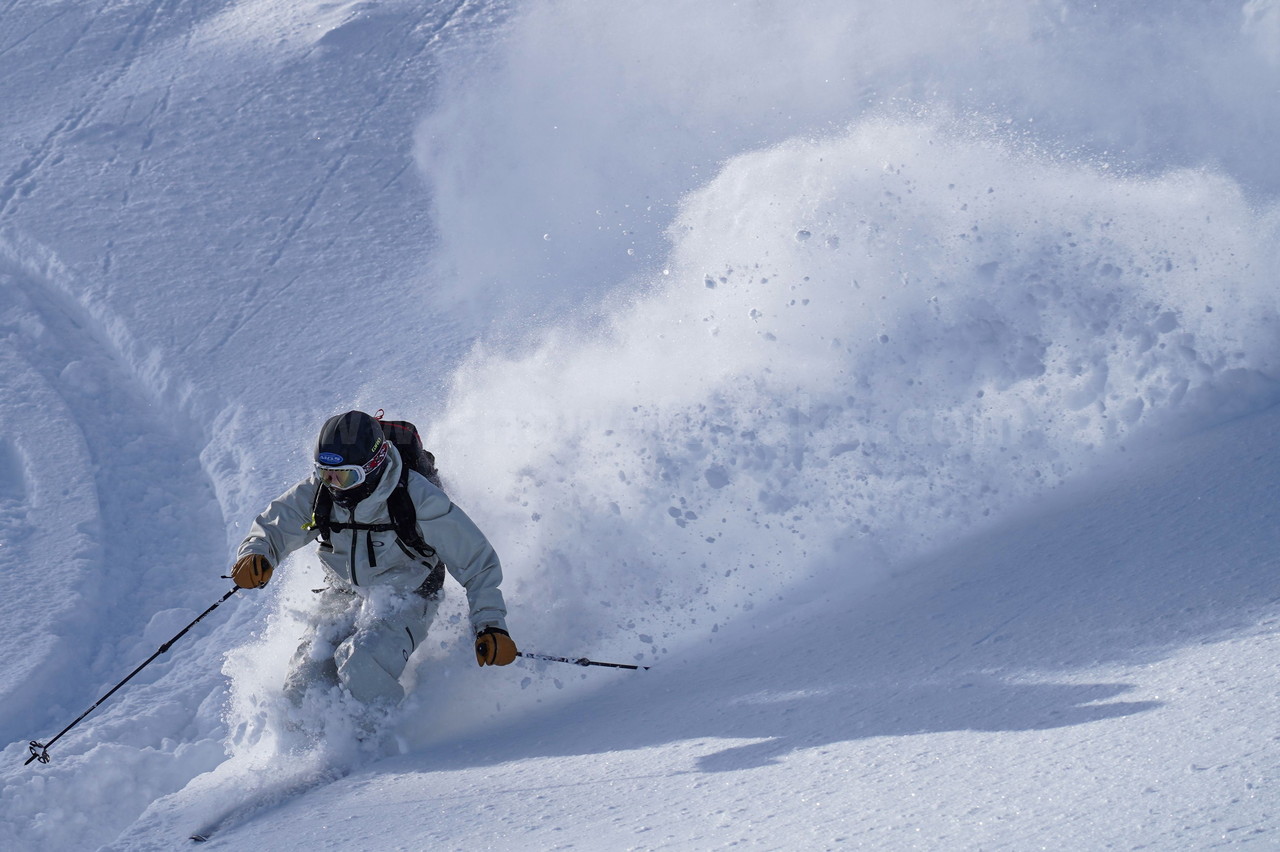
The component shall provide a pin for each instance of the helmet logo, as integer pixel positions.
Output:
(329, 458)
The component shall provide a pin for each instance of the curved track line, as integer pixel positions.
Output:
(50, 527)
(84, 406)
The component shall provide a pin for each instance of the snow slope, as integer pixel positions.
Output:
(1097, 672)
(899, 381)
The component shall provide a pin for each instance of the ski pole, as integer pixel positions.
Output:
(40, 751)
(581, 661)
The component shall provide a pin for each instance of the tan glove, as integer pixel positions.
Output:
(494, 647)
(252, 571)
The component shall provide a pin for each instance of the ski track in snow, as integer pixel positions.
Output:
(48, 498)
(92, 450)
(132, 39)
(356, 35)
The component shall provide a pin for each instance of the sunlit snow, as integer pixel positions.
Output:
(898, 381)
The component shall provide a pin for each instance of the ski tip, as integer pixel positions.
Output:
(199, 838)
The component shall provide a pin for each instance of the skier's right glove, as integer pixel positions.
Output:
(252, 571)
(494, 647)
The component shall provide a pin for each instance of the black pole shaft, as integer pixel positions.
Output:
(43, 754)
(581, 661)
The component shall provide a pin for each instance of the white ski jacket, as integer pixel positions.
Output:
(359, 560)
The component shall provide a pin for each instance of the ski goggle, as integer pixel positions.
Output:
(348, 476)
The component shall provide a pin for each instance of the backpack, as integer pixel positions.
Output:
(404, 515)
(404, 435)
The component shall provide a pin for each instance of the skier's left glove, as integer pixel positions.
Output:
(494, 647)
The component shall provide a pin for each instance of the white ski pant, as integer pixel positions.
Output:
(361, 644)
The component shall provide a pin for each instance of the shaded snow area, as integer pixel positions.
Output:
(898, 382)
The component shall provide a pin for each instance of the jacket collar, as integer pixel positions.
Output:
(374, 507)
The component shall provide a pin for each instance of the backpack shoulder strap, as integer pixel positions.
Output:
(321, 514)
(404, 516)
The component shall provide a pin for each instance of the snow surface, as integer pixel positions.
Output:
(898, 380)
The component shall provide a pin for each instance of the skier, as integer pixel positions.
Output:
(384, 559)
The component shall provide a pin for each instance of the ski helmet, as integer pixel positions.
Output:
(351, 455)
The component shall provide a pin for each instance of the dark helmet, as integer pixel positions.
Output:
(351, 455)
